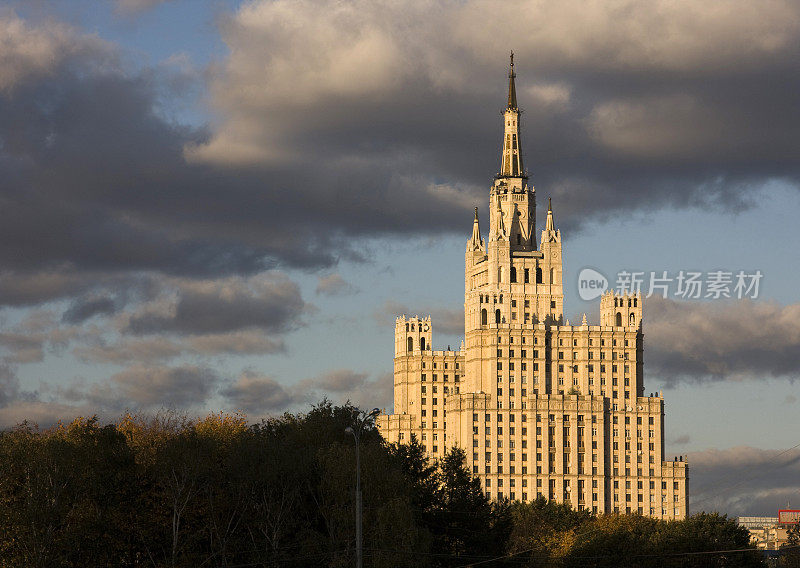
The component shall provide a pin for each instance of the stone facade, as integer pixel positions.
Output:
(541, 407)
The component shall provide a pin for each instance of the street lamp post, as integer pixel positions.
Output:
(356, 432)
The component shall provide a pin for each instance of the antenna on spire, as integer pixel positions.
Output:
(549, 203)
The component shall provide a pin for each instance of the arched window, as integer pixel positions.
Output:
(513, 274)
(538, 274)
(519, 239)
(527, 276)
(497, 316)
(483, 317)
(632, 320)
(410, 344)
(499, 274)
(406, 327)
(619, 318)
(634, 302)
(422, 344)
(501, 298)
(552, 276)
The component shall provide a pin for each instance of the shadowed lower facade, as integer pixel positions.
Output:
(541, 407)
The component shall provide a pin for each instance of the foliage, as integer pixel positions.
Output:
(170, 491)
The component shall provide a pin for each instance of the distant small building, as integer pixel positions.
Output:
(765, 532)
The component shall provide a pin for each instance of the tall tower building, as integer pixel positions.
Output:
(541, 407)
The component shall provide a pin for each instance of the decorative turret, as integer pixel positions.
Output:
(550, 234)
(476, 242)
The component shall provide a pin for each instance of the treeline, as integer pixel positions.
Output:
(173, 492)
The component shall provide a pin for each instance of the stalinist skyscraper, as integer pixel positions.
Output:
(541, 407)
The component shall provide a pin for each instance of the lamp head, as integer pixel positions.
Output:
(348, 430)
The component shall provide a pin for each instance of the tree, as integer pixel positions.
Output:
(544, 532)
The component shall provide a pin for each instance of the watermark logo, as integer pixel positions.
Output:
(591, 284)
(684, 284)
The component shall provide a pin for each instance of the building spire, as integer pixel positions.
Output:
(549, 226)
(476, 243)
(512, 89)
(511, 160)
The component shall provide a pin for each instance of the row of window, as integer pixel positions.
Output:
(560, 340)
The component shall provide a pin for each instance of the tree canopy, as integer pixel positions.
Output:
(169, 491)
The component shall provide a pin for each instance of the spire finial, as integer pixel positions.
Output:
(549, 225)
(512, 89)
(476, 213)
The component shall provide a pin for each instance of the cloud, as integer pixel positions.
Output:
(22, 348)
(670, 97)
(342, 385)
(156, 387)
(246, 342)
(135, 7)
(334, 285)
(9, 385)
(341, 380)
(722, 340)
(334, 124)
(682, 440)
(44, 414)
(86, 308)
(789, 399)
(744, 480)
(147, 350)
(270, 302)
(443, 320)
(256, 394)
(31, 52)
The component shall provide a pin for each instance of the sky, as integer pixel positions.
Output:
(223, 205)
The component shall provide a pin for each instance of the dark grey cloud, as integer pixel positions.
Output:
(722, 340)
(744, 480)
(86, 308)
(364, 120)
(270, 302)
